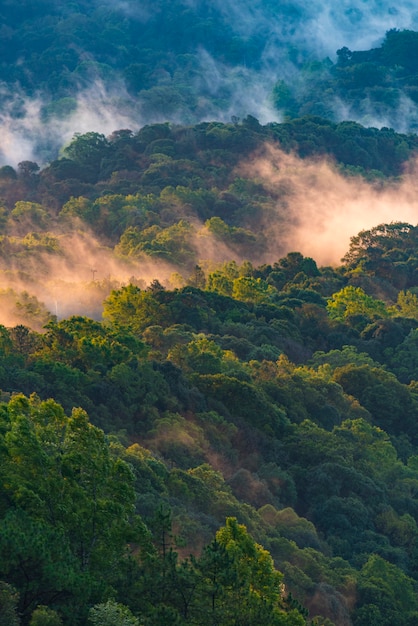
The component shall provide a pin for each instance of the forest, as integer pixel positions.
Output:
(208, 325)
(232, 439)
(100, 66)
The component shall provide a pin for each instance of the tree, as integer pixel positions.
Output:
(30, 215)
(295, 263)
(44, 616)
(28, 169)
(8, 605)
(402, 359)
(241, 582)
(352, 304)
(77, 208)
(389, 402)
(135, 309)
(406, 305)
(111, 613)
(7, 172)
(88, 151)
(369, 246)
(386, 593)
(249, 289)
(71, 505)
(338, 358)
(200, 355)
(244, 399)
(36, 559)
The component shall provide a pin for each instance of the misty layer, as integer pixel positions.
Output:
(319, 210)
(92, 67)
(257, 210)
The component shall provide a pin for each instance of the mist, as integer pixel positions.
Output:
(34, 136)
(74, 281)
(318, 209)
(313, 209)
(287, 34)
(320, 27)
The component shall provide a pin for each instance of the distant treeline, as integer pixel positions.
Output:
(167, 60)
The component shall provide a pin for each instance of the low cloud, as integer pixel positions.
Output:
(76, 279)
(32, 135)
(318, 209)
(279, 37)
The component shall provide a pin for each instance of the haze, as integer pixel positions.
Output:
(311, 31)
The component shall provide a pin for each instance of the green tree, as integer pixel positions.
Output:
(8, 605)
(80, 207)
(386, 593)
(406, 305)
(132, 308)
(89, 151)
(36, 558)
(30, 215)
(242, 584)
(200, 355)
(338, 358)
(85, 344)
(249, 289)
(389, 402)
(71, 508)
(44, 616)
(111, 613)
(402, 359)
(369, 246)
(352, 303)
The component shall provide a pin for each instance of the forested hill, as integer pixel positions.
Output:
(226, 427)
(208, 313)
(159, 202)
(99, 66)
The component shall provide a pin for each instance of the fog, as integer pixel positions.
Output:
(319, 210)
(73, 281)
(320, 27)
(313, 209)
(287, 33)
(29, 136)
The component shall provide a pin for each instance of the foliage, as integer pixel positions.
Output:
(69, 499)
(43, 616)
(111, 614)
(266, 391)
(8, 605)
(352, 304)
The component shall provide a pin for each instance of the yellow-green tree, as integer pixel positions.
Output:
(242, 585)
(352, 303)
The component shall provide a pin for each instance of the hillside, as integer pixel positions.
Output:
(232, 382)
(208, 314)
(101, 66)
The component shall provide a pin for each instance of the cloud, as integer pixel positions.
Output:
(279, 36)
(313, 210)
(240, 91)
(32, 135)
(403, 118)
(284, 34)
(320, 26)
(318, 210)
(77, 278)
